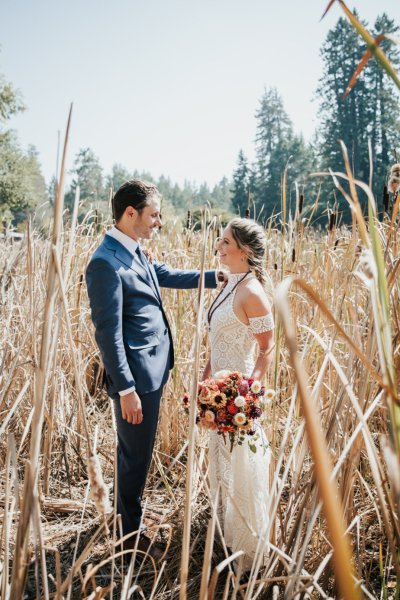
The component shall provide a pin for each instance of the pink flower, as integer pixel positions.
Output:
(208, 424)
(243, 388)
(148, 254)
(221, 415)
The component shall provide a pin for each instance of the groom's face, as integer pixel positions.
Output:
(148, 220)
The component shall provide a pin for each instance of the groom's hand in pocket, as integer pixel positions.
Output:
(131, 408)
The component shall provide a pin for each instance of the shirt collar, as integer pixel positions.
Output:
(128, 243)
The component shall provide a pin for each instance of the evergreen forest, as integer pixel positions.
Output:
(367, 121)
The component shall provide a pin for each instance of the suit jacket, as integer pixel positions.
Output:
(131, 327)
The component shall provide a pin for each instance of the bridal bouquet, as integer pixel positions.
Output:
(230, 404)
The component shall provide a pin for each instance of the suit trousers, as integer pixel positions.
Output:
(135, 448)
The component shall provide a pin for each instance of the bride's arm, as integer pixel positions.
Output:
(265, 354)
(207, 370)
(258, 312)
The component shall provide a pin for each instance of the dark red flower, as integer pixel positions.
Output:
(254, 412)
(221, 415)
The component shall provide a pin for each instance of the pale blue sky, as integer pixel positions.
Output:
(167, 86)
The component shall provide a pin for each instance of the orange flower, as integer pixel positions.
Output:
(232, 408)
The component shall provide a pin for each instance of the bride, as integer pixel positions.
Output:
(241, 339)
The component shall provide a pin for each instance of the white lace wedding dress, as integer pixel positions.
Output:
(241, 475)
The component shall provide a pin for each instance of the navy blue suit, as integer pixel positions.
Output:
(135, 342)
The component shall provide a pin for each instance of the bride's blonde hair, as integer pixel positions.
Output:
(250, 237)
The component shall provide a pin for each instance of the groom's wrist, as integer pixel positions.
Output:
(127, 391)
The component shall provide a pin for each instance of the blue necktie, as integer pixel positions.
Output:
(145, 265)
(142, 259)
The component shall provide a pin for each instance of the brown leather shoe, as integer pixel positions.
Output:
(146, 546)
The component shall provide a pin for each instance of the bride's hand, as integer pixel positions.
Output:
(207, 371)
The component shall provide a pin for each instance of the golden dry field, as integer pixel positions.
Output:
(333, 425)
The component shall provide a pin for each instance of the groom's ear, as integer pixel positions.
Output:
(131, 212)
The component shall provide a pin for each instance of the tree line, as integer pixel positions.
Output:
(367, 121)
(95, 187)
(22, 185)
(369, 113)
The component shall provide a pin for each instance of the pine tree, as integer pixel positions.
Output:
(241, 185)
(276, 143)
(221, 195)
(346, 119)
(368, 112)
(385, 135)
(274, 130)
(88, 174)
(119, 174)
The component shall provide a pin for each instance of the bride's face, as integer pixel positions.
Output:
(229, 252)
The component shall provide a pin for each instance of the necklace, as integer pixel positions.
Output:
(213, 308)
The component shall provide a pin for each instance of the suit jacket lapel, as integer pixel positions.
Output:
(124, 256)
(155, 280)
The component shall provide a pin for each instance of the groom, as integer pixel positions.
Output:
(134, 338)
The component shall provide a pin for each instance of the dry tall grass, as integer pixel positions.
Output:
(344, 306)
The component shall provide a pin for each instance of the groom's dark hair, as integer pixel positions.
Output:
(135, 193)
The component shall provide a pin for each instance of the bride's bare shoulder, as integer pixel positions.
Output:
(254, 298)
(253, 286)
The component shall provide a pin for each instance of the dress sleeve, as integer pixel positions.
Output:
(261, 324)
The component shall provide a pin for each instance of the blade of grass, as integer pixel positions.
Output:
(323, 469)
(192, 422)
(372, 46)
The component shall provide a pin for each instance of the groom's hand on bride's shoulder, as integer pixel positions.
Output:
(131, 408)
(222, 276)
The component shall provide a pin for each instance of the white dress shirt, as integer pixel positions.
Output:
(129, 243)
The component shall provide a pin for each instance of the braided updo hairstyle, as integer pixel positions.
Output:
(249, 236)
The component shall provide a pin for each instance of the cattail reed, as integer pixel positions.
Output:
(332, 221)
(343, 342)
(98, 489)
(301, 203)
(394, 179)
(385, 197)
